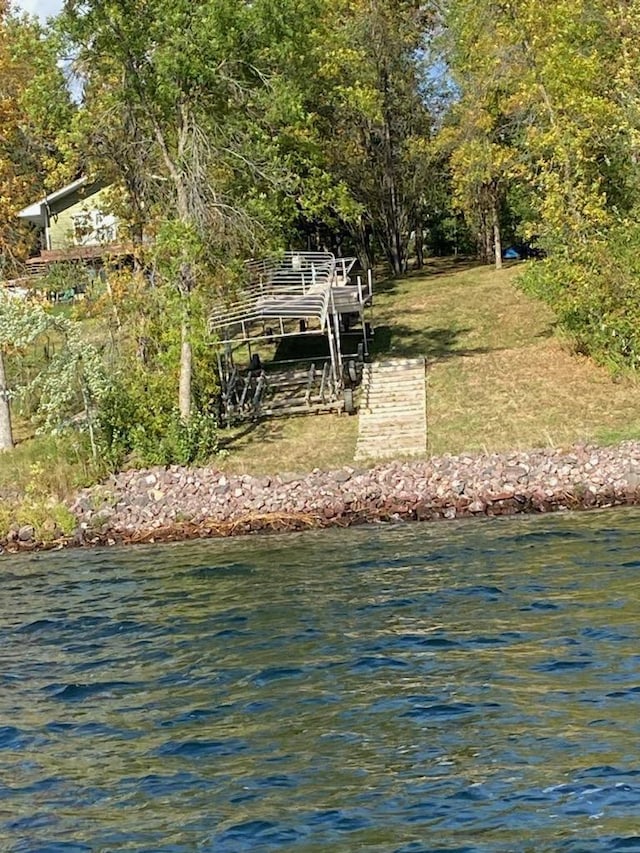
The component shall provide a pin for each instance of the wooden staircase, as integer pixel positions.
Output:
(393, 410)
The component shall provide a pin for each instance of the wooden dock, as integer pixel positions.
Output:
(393, 410)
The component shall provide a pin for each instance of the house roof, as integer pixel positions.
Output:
(36, 212)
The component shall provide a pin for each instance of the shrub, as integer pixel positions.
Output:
(594, 288)
(49, 518)
(139, 422)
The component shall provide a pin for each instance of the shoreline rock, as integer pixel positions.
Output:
(170, 504)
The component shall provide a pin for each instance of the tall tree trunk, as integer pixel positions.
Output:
(481, 244)
(488, 239)
(392, 199)
(6, 432)
(184, 393)
(186, 351)
(362, 238)
(185, 288)
(395, 257)
(419, 247)
(497, 237)
(186, 279)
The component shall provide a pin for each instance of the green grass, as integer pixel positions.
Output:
(498, 378)
(290, 444)
(45, 467)
(36, 477)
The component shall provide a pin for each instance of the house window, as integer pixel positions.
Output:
(92, 227)
(105, 228)
(82, 228)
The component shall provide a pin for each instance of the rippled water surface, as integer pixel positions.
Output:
(462, 687)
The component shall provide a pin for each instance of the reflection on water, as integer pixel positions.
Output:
(463, 687)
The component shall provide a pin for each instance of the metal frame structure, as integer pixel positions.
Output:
(296, 294)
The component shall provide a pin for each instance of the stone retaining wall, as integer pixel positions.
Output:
(177, 503)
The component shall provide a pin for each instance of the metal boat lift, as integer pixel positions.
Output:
(296, 295)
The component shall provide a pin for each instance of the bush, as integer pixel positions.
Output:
(594, 288)
(139, 422)
(36, 478)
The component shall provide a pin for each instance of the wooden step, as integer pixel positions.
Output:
(400, 407)
(373, 451)
(396, 435)
(393, 429)
(398, 392)
(393, 410)
(370, 408)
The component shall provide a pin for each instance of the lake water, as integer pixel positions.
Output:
(452, 687)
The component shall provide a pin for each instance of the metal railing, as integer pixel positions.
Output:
(294, 286)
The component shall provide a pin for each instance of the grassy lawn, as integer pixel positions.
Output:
(290, 444)
(498, 377)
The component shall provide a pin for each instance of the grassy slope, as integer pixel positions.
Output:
(294, 444)
(498, 377)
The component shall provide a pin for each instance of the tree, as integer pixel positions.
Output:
(6, 430)
(34, 109)
(481, 130)
(481, 169)
(548, 107)
(373, 118)
(179, 88)
(534, 95)
(72, 381)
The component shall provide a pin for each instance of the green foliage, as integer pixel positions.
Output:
(594, 288)
(48, 466)
(139, 422)
(138, 417)
(229, 127)
(50, 519)
(35, 107)
(38, 476)
(39, 508)
(537, 85)
(71, 380)
(370, 103)
(64, 280)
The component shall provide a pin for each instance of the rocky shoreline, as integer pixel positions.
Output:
(167, 504)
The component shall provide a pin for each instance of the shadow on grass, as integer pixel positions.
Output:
(230, 438)
(435, 344)
(267, 431)
(301, 347)
(434, 268)
(395, 340)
